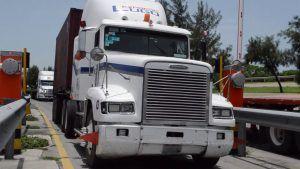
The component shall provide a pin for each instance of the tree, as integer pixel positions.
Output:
(179, 10)
(33, 74)
(265, 51)
(292, 33)
(255, 71)
(226, 54)
(49, 68)
(205, 22)
(166, 6)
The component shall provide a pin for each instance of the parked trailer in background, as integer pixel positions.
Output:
(281, 140)
(134, 89)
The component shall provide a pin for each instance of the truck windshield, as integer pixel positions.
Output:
(46, 83)
(145, 42)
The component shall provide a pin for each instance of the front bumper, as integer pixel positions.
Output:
(157, 140)
(45, 95)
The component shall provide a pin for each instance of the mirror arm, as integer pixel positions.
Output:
(106, 67)
(106, 73)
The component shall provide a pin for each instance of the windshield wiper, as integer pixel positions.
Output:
(161, 50)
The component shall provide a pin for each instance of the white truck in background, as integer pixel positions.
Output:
(45, 85)
(125, 78)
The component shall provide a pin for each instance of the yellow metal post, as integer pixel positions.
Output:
(25, 79)
(221, 72)
(24, 71)
(17, 141)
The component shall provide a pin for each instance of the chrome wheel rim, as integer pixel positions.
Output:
(277, 136)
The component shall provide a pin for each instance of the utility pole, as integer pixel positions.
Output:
(240, 31)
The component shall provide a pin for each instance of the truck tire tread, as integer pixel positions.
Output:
(69, 120)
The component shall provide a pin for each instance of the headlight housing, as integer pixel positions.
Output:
(42, 91)
(121, 108)
(222, 113)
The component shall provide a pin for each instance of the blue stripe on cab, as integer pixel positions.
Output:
(85, 70)
(125, 68)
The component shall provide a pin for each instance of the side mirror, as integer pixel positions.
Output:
(238, 79)
(97, 54)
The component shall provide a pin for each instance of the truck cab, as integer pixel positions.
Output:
(135, 88)
(45, 85)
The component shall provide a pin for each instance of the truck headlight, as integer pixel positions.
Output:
(111, 107)
(42, 91)
(223, 113)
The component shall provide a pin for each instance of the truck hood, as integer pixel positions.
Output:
(220, 101)
(139, 61)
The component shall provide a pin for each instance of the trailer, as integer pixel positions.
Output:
(283, 141)
(64, 62)
(124, 82)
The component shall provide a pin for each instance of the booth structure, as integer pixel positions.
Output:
(13, 77)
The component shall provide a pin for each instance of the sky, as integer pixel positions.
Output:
(34, 24)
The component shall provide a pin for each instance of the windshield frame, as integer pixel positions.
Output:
(155, 32)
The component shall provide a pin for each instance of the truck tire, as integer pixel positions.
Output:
(205, 163)
(91, 148)
(63, 117)
(57, 109)
(297, 141)
(70, 119)
(281, 140)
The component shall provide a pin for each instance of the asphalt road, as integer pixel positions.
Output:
(256, 159)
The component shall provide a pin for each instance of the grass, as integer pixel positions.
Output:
(33, 142)
(31, 118)
(272, 90)
(51, 158)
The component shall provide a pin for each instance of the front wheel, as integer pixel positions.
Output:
(70, 119)
(297, 140)
(205, 162)
(91, 148)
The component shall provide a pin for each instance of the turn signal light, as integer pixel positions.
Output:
(82, 24)
(147, 18)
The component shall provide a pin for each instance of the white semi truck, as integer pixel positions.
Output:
(45, 85)
(125, 78)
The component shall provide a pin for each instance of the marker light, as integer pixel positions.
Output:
(80, 55)
(147, 18)
(82, 24)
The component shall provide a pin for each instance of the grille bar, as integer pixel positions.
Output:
(176, 96)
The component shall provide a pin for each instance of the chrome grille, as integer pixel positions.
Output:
(49, 93)
(172, 95)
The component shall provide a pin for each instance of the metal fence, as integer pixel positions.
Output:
(11, 116)
(268, 118)
(291, 78)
